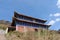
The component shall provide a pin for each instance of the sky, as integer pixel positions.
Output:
(43, 9)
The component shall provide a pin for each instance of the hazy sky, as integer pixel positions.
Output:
(43, 9)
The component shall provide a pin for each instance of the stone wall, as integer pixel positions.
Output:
(25, 28)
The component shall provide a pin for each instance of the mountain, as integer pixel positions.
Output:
(5, 22)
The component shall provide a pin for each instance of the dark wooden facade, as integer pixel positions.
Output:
(22, 22)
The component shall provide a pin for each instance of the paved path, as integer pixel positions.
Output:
(2, 35)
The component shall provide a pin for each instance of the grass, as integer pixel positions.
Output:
(3, 26)
(40, 35)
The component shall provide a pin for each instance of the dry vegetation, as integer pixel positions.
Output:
(40, 35)
(3, 26)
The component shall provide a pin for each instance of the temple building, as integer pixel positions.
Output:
(27, 23)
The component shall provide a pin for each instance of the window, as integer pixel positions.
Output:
(25, 18)
(36, 30)
(27, 24)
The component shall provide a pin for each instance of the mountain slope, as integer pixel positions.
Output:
(41, 34)
(4, 22)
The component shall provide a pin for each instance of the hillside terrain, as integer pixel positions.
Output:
(41, 34)
(3, 25)
(5, 22)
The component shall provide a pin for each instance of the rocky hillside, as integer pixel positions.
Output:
(3, 26)
(41, 34)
